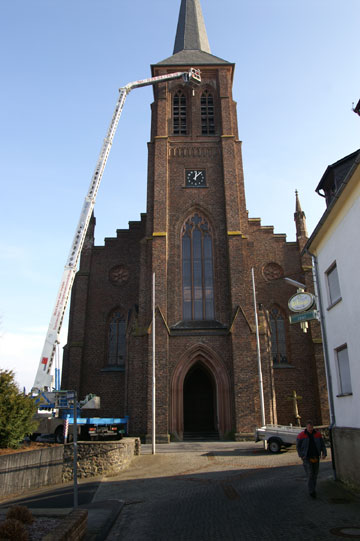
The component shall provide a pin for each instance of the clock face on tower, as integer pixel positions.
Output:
(195, 177)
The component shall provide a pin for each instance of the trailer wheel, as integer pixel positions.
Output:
(274, 445)
(59, 434)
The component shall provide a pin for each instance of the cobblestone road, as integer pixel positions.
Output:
(227, 491)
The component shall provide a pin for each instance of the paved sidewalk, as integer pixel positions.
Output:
(226, 491)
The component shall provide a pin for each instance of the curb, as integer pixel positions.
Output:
(73, 527)
(101, 518)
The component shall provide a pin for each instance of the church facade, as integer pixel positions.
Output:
(198, 240)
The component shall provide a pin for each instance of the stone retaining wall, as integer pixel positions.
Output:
(99, 458)
(49, 466)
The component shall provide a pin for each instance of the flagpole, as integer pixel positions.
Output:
(153, 368)
(258, 353)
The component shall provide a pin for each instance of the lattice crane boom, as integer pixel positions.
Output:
(43, 378)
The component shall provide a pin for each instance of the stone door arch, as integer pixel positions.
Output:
(217, 369)
(200, 407)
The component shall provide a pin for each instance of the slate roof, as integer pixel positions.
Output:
(191, 41)
(191, 32)
(334, 176)
(346, 167)
(189, 57)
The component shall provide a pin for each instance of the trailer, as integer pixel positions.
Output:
(277, 436)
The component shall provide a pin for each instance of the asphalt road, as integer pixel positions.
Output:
(56, 497)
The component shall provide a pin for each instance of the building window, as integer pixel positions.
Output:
(207, 114)
(197, 270)
(117, 340)
(333, 284)
(278, 336)
(179, 113)
(343, 368)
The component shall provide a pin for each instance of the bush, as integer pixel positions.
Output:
(21, 513)
(13, 530)
(16, 412)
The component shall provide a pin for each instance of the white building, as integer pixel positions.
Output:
(335, 246)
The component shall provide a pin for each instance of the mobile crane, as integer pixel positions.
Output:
(43, 380)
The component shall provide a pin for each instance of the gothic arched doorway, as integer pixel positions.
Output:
(211, 369)
(199, 400)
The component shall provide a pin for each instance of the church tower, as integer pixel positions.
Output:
(201, 246)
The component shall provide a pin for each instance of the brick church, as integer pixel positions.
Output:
(198, 239)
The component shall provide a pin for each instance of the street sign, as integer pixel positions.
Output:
(65, 399)
(62, 402)
(305, 316)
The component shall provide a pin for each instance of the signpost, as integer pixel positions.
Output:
(76, 499)
(66, 400)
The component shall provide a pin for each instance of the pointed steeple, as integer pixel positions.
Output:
(191, 32)
(298, 208)
(191, 41)
(300, 220)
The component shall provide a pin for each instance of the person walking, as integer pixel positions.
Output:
(310, 445)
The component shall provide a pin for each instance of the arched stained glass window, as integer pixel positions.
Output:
(117, 340)
(179, 113)
(197, 270)
(207, 113)
(278, 336)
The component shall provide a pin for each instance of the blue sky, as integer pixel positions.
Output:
(62, 63)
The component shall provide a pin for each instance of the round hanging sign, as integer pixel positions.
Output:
(300, 302)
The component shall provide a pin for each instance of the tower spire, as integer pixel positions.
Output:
(300, 220)
(191, 41)
(191, 31)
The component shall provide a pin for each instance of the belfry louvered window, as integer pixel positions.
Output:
(179, 113)
(197, 269)
(117, 340)
(207, 113)
(278, 336)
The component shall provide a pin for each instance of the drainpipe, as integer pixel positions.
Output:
(326, 354)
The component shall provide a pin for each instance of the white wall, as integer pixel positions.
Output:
(342, 244)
